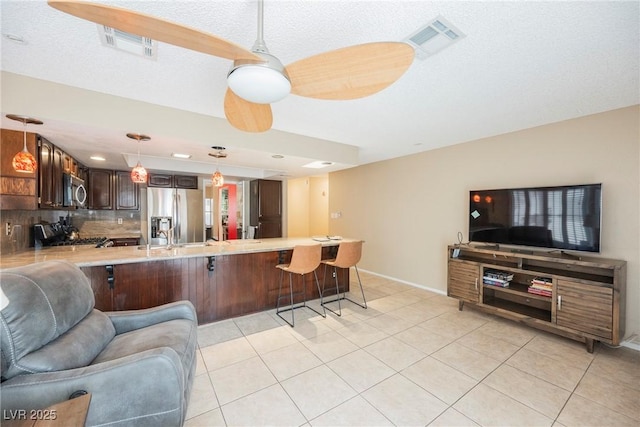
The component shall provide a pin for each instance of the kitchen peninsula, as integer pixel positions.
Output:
(222, 279)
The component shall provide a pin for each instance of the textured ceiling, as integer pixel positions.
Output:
(522, 64)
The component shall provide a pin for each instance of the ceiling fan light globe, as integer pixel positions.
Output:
(260, 83)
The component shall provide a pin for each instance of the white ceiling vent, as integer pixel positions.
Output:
(433, 37)
(127, 42)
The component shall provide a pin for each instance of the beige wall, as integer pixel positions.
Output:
(297, 207)
(409, 209)
(308, 206)
(318, 205)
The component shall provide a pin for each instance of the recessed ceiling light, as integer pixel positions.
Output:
(278, 156)
(98, 158)
(181, 156)
(317, 164)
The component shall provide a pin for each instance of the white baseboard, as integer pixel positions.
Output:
(415, 285)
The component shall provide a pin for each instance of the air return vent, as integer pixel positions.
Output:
(127, 42)
(433, 37)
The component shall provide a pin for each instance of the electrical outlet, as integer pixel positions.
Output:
(7, 228)
(120, 221)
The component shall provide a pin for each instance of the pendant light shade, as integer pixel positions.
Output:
(23, 161)
(139, 173)
(217, 179)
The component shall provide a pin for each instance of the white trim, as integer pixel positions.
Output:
(415, 285)
(630, 343)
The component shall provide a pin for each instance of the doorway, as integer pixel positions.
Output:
(224, 211)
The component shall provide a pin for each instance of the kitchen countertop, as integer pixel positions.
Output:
(89, 256)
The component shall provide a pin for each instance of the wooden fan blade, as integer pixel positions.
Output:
(245, 115)
(351, 72)
(155, 28)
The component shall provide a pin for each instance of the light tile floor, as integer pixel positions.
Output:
(411, 358)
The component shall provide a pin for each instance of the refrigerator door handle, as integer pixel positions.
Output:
(178, 230)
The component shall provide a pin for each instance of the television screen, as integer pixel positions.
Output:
(566, 217)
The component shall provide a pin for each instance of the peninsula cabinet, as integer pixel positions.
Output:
(219, 287)
(578, 297)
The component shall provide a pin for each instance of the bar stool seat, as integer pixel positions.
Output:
(305, 259)
(349, 254)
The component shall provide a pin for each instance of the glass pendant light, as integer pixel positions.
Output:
(23, 161)
(217, 179)
(139, 173)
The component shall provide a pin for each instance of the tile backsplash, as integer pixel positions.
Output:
(90, 223)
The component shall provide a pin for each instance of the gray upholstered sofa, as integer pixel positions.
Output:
(137, 365)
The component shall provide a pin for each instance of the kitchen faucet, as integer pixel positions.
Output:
(168, 234)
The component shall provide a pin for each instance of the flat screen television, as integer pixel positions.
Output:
(564, 217)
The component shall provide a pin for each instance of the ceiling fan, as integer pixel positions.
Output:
(258, 78)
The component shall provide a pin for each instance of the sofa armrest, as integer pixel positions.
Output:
(140, 389)
(130, 320)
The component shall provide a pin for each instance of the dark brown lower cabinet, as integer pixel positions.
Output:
(219, 287)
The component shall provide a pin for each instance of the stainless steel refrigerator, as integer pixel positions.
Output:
(176, 213)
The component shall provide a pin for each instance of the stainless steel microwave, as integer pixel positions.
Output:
(74, 193)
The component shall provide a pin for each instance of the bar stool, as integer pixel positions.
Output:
(305, 259)
(349, 254)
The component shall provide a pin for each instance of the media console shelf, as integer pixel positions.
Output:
(578, 297)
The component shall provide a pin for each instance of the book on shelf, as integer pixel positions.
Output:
(497, 274)
(495, 282)
(545, 293)
(541, 281)
(541, 286)
(497, 278)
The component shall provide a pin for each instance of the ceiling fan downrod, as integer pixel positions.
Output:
(263, 82)
(260, 45)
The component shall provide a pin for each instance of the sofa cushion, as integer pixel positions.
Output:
(179, 335)
(78, 347)
(45, 300)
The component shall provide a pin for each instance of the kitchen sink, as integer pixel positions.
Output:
(153, 247)
(191, 245)
(178, 246)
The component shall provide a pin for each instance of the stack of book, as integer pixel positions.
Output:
(497, 278)
(540, 286)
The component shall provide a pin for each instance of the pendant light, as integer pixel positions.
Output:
(217, 179)
(139, 173)
(23, 161)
